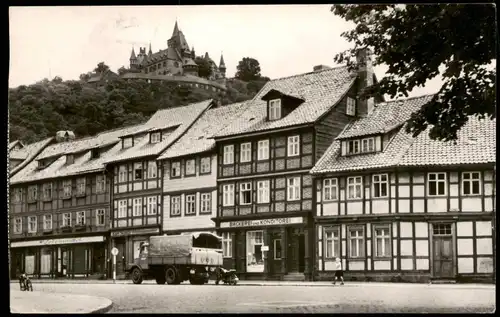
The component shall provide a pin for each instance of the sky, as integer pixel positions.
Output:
(67, 41)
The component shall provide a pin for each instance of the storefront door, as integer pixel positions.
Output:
(121, 257)
(296, 261)
(442, 245)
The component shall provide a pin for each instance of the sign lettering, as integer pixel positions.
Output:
(20, 244)
(134, 232)
(262, 222)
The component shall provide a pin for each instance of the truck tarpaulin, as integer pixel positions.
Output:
(170, 246)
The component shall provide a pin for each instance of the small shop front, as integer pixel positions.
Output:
(273, 248)
(60, 257)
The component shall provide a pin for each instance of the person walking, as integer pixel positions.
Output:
(338, 272)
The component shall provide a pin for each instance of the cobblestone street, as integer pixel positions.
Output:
(185, 298)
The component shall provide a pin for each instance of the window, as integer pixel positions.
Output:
(293, 188)
(33, 193)
(354, 187)
(227, 245)
(137, 171)
(350, 107)
(441, 229)
(67, 188)
(332, 242)
(205, 201)
(122, 208)
(246, 152)
(277, 249)
(67, 219)
(70, 159)
(18, 195)
(101, 183)
(152, 170)
(205, 165)
(353, 147)
(175, 205)
(380, 185)
(32, 224)
(368, 145)
(80, 218)
(94, 153)
(152, 205)
(190, 167)
(137, 207)
(382, 242)
(293, 145)
(100, 220)
(155, 137)
(274, 109)
(18, 225)
(175, 169)
(263, 192)
(330, 189)
(47, 191)
(436, 184)
(47, 222)
(263, 150)
(127, 142)
(356, 243)
(245, 193)
(229, 154)
(471, 183)
(255, 259)
(190, 205)
(228, 195)
(80, 186)
(122, 174)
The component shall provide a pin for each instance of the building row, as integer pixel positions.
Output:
(303, 173)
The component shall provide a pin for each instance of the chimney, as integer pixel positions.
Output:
(318, 68)
(63, 136)
(365, 75)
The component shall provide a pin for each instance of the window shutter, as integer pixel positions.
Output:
(343, 147)
(378, 144)
(59, 220)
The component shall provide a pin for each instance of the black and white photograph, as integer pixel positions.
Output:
(279, 158)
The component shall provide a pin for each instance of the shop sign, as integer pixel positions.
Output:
(262, 222)
(20, 244)
(135, 232)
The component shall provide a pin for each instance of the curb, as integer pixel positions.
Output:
(103, 310)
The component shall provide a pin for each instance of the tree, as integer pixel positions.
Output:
(101, 68)
(415, 41)
(86, 76)
(204, 67)
(248, 69)
(122, 70)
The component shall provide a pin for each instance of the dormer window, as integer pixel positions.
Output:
(274, 109)
(350, 106)
(366, 145)
(42, 164)
(353, 147)
(155, 137)
(94, 153)
(70, 159)
(127, 142)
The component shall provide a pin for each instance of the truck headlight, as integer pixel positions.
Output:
(212, 269)
(206, 268)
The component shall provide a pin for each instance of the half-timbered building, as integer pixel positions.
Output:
(402, 208)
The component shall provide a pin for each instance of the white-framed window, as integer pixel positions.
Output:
(127, 142)
(354, 187)
(205, 203)
(263, 192)
(100, 217)
(101, 183)
(122, 174)
(80, 218)
(277, 249)
(138, 173)
(246, 193)
(32, 224)
(356, 243)
(122, 208)
(175, 205)
(175, 169)
(368, 145)
(293, 145)
(227, 245)
(330, 189)
(137, 207)
(228, 154)
(18, 195)
(228, 195)
(332, 242)
(47, 222)
(471, 183)
(67, 188)
(382, 241)
(47, 191)
(350, 106)
(274, 109)
(353, 147)
(293, 188)
(67, 219)
(263, 150)
(18, 225)
(80, 186)
(190, 167)
(436, 184)
(190, 204)
(245, 152)
(33, 193)
(152, 170)
(152, 205)
(155, 137)
(380, 185)
(205, 163)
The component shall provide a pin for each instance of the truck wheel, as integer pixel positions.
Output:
(160, 279)
(136, 276)
(171, 275)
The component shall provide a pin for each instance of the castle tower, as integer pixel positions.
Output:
(222, 66)
(133, 60)
(150, 51)
(193, 53)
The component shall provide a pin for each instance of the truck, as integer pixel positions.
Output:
(177, 258)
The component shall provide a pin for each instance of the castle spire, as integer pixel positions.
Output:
(222, 65)
(176, 29)
(150, 51)
(132, 55)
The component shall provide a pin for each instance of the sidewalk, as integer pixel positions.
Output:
(43, 303)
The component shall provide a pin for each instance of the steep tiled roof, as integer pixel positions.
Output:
(184, 117)
(29, 149)
(385, 117)
(197, 139)
(321, 91)
(14, 143)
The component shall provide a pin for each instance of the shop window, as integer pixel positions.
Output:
(255, 261)
(471, 183)
(330, 189)
(100, 183)
(46, 261)
(137, 207)
(175, 170)
(152, 170)
(67, 219)
(382, 241)
(263, 192)
(332, 242)
(436, 183)
(205, 203)
(263, 150)
(246, 152)
(227, 245)
(293, 190)
(152, 205)
(354, 187)
(138, 171)
(122, 208)
(80, 186)
(277, 249)
(100, 220)
(228, 195)
(47, 222)
(29, 262)
(245, 193)
(380, 185)
(191, 204)
(190, 167)
(205, 165)
(175, 206)
(80, 218)
(18, 225)
(293, 145)
(122, 174)
(356, 243)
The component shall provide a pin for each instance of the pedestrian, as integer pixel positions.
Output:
(338, 272)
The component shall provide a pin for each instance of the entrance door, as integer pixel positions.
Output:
(442, 251)
(121, 257)
(295, 250)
